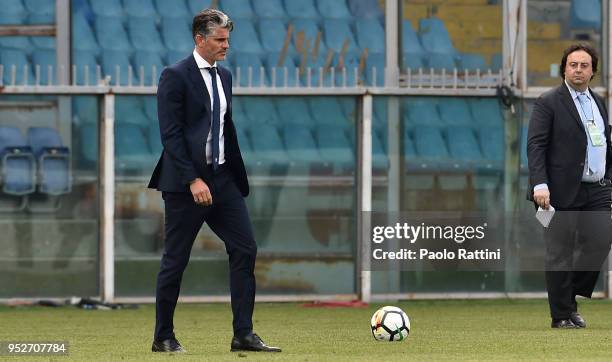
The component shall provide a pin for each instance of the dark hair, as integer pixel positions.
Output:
(207, 20)
(575, 47)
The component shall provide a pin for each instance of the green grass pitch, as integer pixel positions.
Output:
(441, 330)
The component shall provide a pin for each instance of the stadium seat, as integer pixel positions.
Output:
(144, 35)
(177, 36)
(430, 144)
(333, 9)
(492, 146)
(249, 65)
(172, 9)
(287, 70)
(17, 163)
(275, 33)
(336, 32)
(154, 140)
(118, 60)
(15, 42)
(441, 61)
(463, 147)
(41, 11)
(266, 9)
(365, 8)
(335, 147)
(111, 34)
(145, 61)
(370, 35)
(43, 42)
(455, 112)
(82, 58)
(310, 28)
(267, 145)
(17, 58)
(471, 62)
(132, 153)
(43, 59)
(410, 40)
(241, 121)
(413, 61)
(380, 161)
(377, 61)
(260, 110)
(12, 12)
(301, 147)
(244, 37)
(237, 9)
(129, 109)
(585, 15)
(53, 160)
(486, 111)
(82, 35)
(140, 8)
(195, 6)
(88, 141)
(434, 36)
(110, 8)
(327, 111)
(421, 111)
(150, 107)
(303, 9)
(294, 110)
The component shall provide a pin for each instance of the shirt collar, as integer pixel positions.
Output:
(574, 93)
(201, 62)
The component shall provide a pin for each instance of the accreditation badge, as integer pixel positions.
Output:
(596, 136)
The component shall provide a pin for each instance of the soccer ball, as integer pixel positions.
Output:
(390, 324)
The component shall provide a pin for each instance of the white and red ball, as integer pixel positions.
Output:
(390, 324)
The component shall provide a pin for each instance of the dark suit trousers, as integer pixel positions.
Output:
(577, 244)
(229, 219)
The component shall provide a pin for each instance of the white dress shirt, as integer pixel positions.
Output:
(203, 64)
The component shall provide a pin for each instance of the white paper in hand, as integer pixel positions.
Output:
(544, 216)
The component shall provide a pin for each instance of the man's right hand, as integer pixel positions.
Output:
(542, 198)
(201, 192)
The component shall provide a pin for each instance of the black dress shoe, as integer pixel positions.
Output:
(168, 345)
(563, 323)
(251, 342)
(577, 319)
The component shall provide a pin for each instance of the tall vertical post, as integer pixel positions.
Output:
(106, 162)
(364, 197)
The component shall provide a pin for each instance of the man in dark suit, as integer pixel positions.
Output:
(202, 178)
(570, 161)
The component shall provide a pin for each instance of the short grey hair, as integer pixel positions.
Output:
(207, 20)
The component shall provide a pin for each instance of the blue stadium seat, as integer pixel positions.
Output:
(486, 111)
(150, 107)
(272, 67)
(267, 145)
(430, 144)
(414, 61)
(53, 159)
(311, 28)
(12, 12)
(113, 59)
(335, 147)
(260, 110)
(237, 9)
(244, 62)
(336, 32)
(82, 58)
(455, 111)
(44, 59)
(88, 141)
(304, 9)
(15, 42)
(492, 146)
(327, 111)
(334, 9)
(421, 111)
(144, 35)
(585, 15)
(375, 60)
(380, 113)
(131, 149)
(300, 144)
(195, 6)
(82, 35)
(241, 121)
(41, 11)
(110, 8)
(365, 8)
(410, 40)
(294, 110)
(177, 36)
(275, 33)
(441, 61)
(463, 147)
(145, 61)
(172, 9)
(43, 42)
(18, 58)
(434, 36)
(380, 161)
(370, 33)
(129, 110)
(17, 163)
(140, 8)
(269, 9)
(111, 34)
(85, 109)
(244, 37)
(154, 139)
(471, 62)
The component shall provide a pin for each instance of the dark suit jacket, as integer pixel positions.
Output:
(557, 143)
(183, 110)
